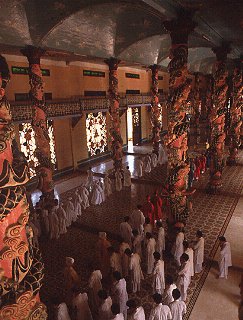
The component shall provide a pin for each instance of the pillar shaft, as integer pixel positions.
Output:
(155, 109)
(39, 120)
(21, 270)
(115, 132)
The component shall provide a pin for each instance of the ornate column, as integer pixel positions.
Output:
(209, 102)
(194, 127)
(115, 132)
(178, 106)
(39, 120)
(155, 109)
(217, 118)
(235, 113)
(21, 270)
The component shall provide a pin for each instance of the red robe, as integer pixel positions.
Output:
(148, 211)
(157, 202)
(198, 169)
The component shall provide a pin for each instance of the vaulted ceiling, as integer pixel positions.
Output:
(131, 30)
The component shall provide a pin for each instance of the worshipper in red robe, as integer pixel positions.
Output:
(157, 202)
(198, 168)
(203, 160)
(102, 254)
(148, 209)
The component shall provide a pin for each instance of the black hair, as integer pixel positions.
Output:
(157, 298)
(176, 294)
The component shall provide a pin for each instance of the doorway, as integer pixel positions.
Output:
(133, 126)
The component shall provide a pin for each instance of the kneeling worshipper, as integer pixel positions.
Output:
(90, 178)
(224, 257)
(70, 211)
(158, 274)
(95, 286)
(62, 216)
(127, 177)
(136, 271)
(107, 185)
(147, 163)
(118, 180)
(71, 279)
(102, 254)
(154, 159)
(135, 312)
(96, 196)
(84, 195)
(60, 310)
(139, 167)
(104, 312)
(119, 293)
(77, 204)
(80, 305)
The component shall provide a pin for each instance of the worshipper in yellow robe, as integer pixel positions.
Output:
(71, 279)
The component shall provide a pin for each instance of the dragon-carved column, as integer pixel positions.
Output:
(177, 106)
(115, 131)
(195, 128)
(21, 269)
(209, 101)
(217, 118)
(235, 113)
(39, 121)
(155, 109)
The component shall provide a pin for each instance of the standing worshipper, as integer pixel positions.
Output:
(148, 209)
(54, 224)
(136, 271)
(126, 230)
(77, 204)
(80, 305)
(177, 307)
(203, 161)
(118, 180)
(107, 185)
(159, 311)
(158, 274)
(184, 276)
(115, 260)
(84, 194)
(90, 179)
(94, 286)
(135, 312)
(117, 315)
(104, 312)
(154, 160)
(147, 163)
(150, 253)
(198, 252)
(137, 243)
(102, 254)
(167, 297)
(157, 202)
(125, 261)
(191, 173)
(137, 219)
(225, 260)
(60, 310)
(71, 279)
(179, 249)
(119, 293)
(102, 189)
(147, 228)
(139, 167)
(162, 158)
(197, 172)
(127, 177)
(160, 243)
(70, 211)
(188, 250)
(62, 216)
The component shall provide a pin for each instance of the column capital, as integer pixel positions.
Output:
(181, 27)
(222, 51)
(112, 63)
(154, 67)
(33, 54)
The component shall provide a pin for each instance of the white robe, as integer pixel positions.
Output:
(62, 216)
(179, 249)
(81, 303)
(139, 167)
(154, 159)
(190, 253)
(70, 212)
(115, 262)
(96, 198)
(118, 180)
(167, 295)
(119, 316)
(178, 309)
(139, 314)
(159, 277)
(126, 232)
(225, 260)
(84, 194)
(120, 296)
(62, 312)
(54, 225)
(77, 205)
(102, 190)
(90, 179)
(94, 287)
(127, 178)
(124, 259)
(199, 255)
(107, 185)
(136, 272)
(150, 258)
(45, 217)
(137, 220)
(104, 312)
(160, 244)
(162, 159)
(147, 164)
(160, 312)
(137, 245)
(184, 279)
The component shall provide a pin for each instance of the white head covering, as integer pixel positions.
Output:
(69, 260)
(102, 235)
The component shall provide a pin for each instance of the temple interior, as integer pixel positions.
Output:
(121, 137)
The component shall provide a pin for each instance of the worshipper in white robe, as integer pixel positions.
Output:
(96, 197)
(158, 274)
(102, 190)
(80, 305)
(137, 243)
(154, 159)
(184, 276)
(162, 158)
(126, 230)
(146, 228)
(188, 250)
(70, 211)
(95, 286)
(77, 204)
(136, 271)
(115, 260)
(159, 311)
(177, 307)
(118, 180)
(137, 219)
(125, 260)
(160, 243)
(90, 178)
(84, 194)
(167, 297)
(54, 225)
(147, 163)
(139, 167)
(60, 310)
(127, 177)
(119, 293)
(104, 312)
(135, 311)
(117, 315)
(179, 246)
(150, 253)
(225, 260)
(62, 217)
(45, 218)
(107, 185)
(198, 252)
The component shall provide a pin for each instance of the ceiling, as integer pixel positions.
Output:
(131, 30)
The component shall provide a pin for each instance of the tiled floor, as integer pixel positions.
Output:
(211, 214)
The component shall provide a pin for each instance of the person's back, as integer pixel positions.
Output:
(178, 309)
(160, 312)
